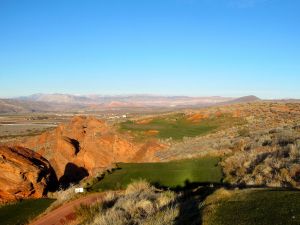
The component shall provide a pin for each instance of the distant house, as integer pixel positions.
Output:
(124, 116)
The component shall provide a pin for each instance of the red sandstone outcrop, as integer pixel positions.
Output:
(23, 174)
(87, 145)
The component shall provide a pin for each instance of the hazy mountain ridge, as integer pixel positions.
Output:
(132, 99)
(26, 106)
(245, 99)
(68, 102)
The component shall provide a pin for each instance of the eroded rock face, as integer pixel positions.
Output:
(23, 174)
(85, 146)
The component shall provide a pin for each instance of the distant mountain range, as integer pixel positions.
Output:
(67, 102)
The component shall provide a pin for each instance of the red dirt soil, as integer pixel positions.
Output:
(197, 117)
(66, 213)
(144, 121)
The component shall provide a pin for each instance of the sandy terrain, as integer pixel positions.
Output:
(66, 212)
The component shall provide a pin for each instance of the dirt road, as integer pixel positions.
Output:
(66, 212)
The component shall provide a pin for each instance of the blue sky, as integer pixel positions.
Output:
(169, 47)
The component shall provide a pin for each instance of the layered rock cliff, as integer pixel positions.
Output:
(24, 174)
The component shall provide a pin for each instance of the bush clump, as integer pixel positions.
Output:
(140, 204)
(272, 159)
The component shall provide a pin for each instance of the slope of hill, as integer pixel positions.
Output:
(58, 98)
(28, 106)
(245, 99)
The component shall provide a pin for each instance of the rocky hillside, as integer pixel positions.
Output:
(70, 103)
(24, 174)
(265, 151)
(258, 116)
(86, 146)
(267, 158)
(28, 106)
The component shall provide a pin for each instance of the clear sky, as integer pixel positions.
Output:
(169, 47)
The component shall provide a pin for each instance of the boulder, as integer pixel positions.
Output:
(24, 174)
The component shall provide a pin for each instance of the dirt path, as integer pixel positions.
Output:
(66, 212)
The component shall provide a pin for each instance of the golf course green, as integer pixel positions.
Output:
(167, 174)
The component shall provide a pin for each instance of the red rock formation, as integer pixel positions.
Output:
(87, 143)
(23, 174)
(197, 117)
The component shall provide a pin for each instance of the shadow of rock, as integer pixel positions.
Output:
(72, 174)
(76, 145)
(53, 182)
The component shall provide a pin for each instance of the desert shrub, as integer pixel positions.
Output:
(294, 151)
(297, 127)
(270, 160)
(286, 137)
(87, 213)
(297, 143)
(244, 132)
(62, 196)
(295, 172)
(163, 217)
(276, 130)
(264, 140)
(112, 217)
(139, 204)
(239, 145)
(138, 186)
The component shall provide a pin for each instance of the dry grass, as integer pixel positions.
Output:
(65, 195)
(252, 207)
(211, 203)
(140, 204)
(62, 196)
(138, 186)
(270, 158)
(220, 194)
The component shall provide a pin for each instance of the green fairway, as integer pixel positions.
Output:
(258, 207)
(170, 174)
(21, 212)
(177, 126)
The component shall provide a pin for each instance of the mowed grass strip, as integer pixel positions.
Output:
(21, 212)
(178, 126)
(170, 174)
(257, 207)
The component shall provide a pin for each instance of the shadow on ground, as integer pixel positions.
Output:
(190, 200)
(192, 196)
(73, 174)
